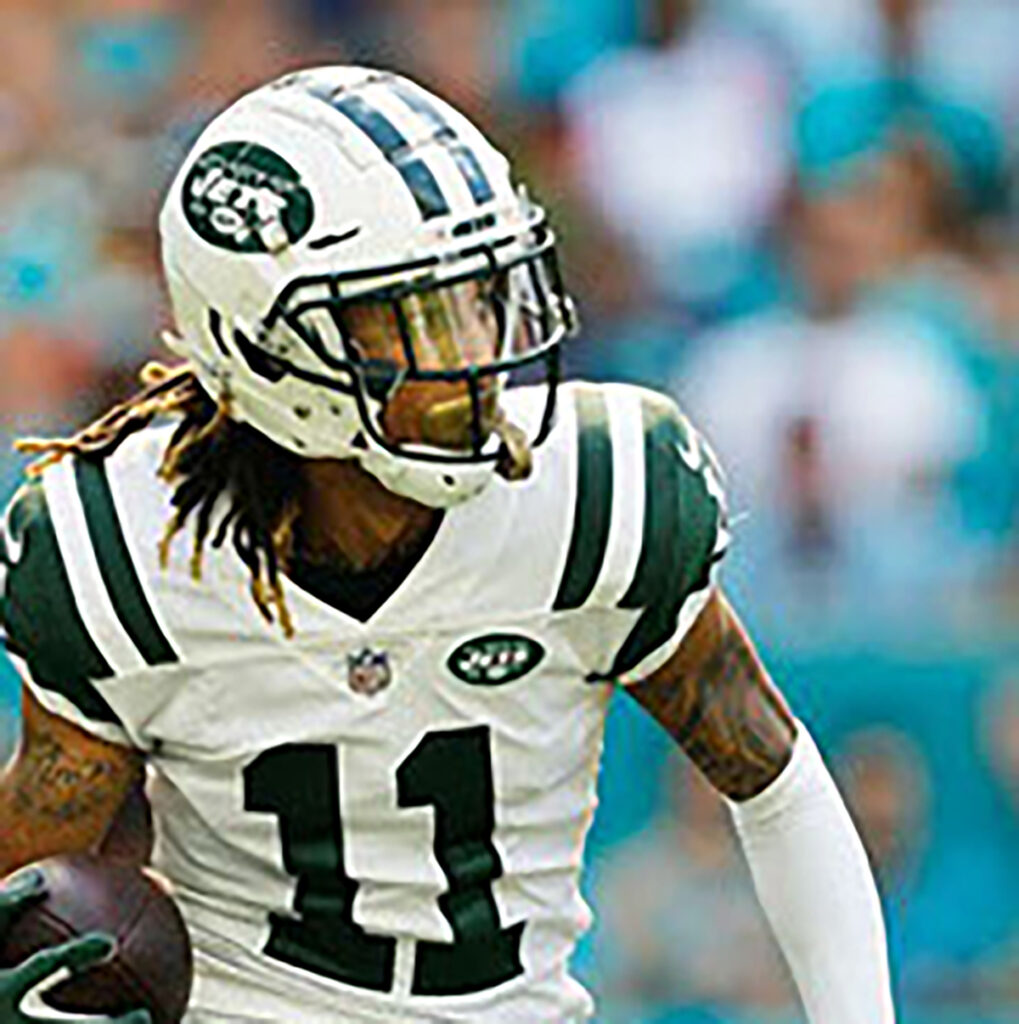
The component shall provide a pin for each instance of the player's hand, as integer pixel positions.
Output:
(17, 893)
(20, 1002)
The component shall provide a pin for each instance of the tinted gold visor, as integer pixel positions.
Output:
(399, 343)
(444, 329)
(427, 362)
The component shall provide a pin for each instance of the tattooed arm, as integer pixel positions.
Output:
(810, 870)
(62, 789)
(715, 699)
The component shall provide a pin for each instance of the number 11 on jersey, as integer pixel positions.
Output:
(450, 771)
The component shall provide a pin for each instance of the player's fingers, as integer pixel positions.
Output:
(21, 888)
(84, 952)
(26, 882)
(160, 880)
(89, 950)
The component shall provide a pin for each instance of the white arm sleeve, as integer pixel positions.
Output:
(816, 887)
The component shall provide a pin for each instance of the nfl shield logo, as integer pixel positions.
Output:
(368, 671)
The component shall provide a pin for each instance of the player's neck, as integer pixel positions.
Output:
(347, 515)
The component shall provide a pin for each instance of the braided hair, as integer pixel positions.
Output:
(209, 455)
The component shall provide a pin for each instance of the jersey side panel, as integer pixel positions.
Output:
(547, 729)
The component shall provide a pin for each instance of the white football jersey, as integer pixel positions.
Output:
(383, 818)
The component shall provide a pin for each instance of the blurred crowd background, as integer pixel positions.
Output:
(799, 217)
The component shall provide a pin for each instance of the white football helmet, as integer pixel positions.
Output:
(340, 190)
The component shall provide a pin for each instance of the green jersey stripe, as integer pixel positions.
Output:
(80, 692)
(658, 622)
(660, 546)
(39, 613)
(680, 529)
(82, 565)
(593, 509)
(116, 565)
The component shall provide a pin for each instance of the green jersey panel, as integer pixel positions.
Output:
(74, 612)
(41, 622)
(649, 524)
(684, 530)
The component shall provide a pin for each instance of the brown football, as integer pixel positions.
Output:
(152, 965)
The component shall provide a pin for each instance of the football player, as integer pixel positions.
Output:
(369, 696)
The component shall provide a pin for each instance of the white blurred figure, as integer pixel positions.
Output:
(889, 408)
(840, 417)
(846, 34)
(965, 48)
(969, 48)
(679, 144)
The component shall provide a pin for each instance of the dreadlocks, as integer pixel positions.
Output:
(208, 456)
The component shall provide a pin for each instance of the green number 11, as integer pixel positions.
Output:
(451, 771)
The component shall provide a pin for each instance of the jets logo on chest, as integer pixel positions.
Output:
(495, 659)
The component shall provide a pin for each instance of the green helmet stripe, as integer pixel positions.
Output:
(593, 512)
(116, 565)
(39, 612)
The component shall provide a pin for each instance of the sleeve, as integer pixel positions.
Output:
(684, 537)
(75, 616)
(649, 528)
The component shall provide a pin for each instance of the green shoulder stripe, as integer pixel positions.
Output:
(116, 566)
(593, 510)
(38, 611)
(661, 541)
(681, 521)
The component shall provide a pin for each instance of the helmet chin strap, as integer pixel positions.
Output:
(516, 457)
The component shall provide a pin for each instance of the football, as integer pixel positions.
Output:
(151, 967)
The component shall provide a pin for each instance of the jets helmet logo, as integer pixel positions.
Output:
(496, 659)
(243, 197)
